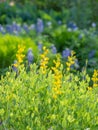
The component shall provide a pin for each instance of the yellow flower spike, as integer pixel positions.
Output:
(89, 88)
(73, 53)
(95, 78)
(44, 48)
(58, 92)
(68, 69)
(44, 60)
(95, 85)
(42, 56)
(19, 54)
(55, 96)
(15, 65)
(57, 77)
(70, 61)
(55, 89)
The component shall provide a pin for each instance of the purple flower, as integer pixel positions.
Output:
(30, 56)
(72, 26)
(25, 27)
(39, 25)
(16, 28)
(9, 29)
(40, 46)
(91, 54)
(66, 53)
(75, 27)
(93, 25)
(2, 29)
(53, 49)
(32, 27)
(81, 36)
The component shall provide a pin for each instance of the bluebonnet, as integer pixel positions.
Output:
(91, 54)
(93, 25)
(25, 27)
(32, 27)
(9, 29)
(2, 30)
(53, 49)
(39, 25)
(30, 56)
(75, 27)
(72, 25)
(66, 53)
(40, 46)
(16, 28)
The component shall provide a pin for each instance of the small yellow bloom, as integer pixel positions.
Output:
(89, 88)
(15, 65)
(95, 85)
(55, 96)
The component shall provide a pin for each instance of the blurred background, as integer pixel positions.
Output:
(61, 25)
(82, 12)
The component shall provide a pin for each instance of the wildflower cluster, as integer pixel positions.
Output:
(57, 78)
(44, 60)
(71, 60)
(51, 100)
(19, 56)
(95, 78)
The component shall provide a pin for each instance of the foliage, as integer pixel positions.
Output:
(27, 11)
(9, 45)
(34, 100)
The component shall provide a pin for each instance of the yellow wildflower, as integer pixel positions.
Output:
(95, 78)
(57, 78)
(19, 54)
(44, 60)
(89, 88)
(71, 60)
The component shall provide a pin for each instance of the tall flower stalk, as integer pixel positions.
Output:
(44, 60)
(95, 78)
(57, 84)
(19, 56)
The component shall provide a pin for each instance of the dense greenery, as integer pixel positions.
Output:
(48, 65)
(80, 11)
(8, 49)
(56, 99)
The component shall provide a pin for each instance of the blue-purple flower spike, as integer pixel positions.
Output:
(91, 54)
(93, 25)
(39, 25)
(53, 49)
(40, 47)
(66, 53)
(30, 56)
